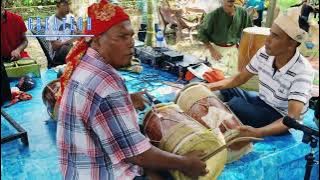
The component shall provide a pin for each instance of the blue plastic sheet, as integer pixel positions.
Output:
(274, 158)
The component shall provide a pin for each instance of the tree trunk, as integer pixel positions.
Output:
(79, 7)
(272, 13)
(150, 24)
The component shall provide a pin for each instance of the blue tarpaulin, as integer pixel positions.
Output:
(280, 157)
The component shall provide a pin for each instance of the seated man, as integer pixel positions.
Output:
(97, 133)
(61, 44)
(13, 36)
(285, 82)
(223, 28)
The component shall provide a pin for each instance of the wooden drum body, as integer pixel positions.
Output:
(201, 104)
(253, 38)
(169, 128)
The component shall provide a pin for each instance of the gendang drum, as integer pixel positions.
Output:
(252, 39)
(49, 97)
(169, 128)
(201, 104)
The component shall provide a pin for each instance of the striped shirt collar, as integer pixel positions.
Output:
(290, 64)
(94, 58)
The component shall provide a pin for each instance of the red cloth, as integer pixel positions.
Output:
(12, 30)
(17, 97)
(213, 76)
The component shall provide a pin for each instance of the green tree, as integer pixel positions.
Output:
(150, 24)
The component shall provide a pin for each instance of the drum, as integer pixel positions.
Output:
(169, 128)
(253, 38)
(201, 104)
(49, 97)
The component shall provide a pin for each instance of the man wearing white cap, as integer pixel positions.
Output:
(285, 78)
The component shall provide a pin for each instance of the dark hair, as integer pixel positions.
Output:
(58, 2)
(303, 19)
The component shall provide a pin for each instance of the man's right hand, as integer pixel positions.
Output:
(216, 55)
(15, 55)
(194, 166)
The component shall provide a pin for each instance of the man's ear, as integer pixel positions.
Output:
(95, 42)
(293, 44)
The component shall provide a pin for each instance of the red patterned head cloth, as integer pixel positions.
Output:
(103, 16)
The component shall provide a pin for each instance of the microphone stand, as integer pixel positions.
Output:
(313, 142)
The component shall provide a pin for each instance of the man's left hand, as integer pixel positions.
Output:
(248, 131)
(15, 55)
(138, 100)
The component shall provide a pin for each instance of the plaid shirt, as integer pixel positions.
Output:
(97, 127)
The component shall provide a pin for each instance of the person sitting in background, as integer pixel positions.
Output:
(285, 78)
(61, 44)
(13, 35)
(259, 6)
(223, 27)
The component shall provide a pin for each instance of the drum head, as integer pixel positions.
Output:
(49, 97)
(152, 124)
(190, 94)
(158, 107)
(257, 30)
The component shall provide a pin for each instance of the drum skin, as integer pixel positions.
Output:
(201, 107)
(49, 97)
(253, 38)
(169, 128)
(196, 100)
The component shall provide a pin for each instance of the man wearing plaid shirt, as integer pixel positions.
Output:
(98, 136)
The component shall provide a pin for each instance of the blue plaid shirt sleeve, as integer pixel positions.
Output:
(115, 124)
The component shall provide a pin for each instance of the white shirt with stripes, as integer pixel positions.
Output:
(277, 87)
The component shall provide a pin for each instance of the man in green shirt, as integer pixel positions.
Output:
(223, 28)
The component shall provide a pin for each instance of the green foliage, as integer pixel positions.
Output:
(150, 27)
(21, 3)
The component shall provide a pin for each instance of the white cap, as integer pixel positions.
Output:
(288, 21)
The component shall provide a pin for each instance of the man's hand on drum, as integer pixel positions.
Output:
(194, 166)
(214, 86)
(248, 131)
(216, 55)
(138, 100)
